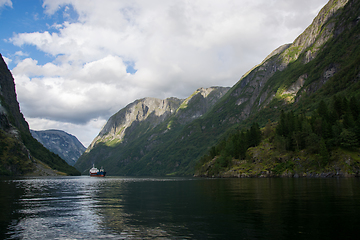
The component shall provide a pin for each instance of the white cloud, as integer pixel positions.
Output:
(72, 96)
(5, 3)
(21, 54)
(7, 60)
(175, 46)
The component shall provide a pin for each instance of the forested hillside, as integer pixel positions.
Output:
(323, 144)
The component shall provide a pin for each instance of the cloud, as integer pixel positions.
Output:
(67, 94)
(5, 3)
(174, 46)
(21, 54)
(7, 60)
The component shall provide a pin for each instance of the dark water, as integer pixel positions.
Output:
(179, 208)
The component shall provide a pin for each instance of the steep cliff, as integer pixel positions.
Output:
(19, 152)
(14, 156)
(257, 88)
(124, 125)
(67, 146)
(9, 101)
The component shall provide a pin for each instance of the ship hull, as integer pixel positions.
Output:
(98, 174)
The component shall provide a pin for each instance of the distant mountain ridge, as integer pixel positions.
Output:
(67, 146)
(322, 61)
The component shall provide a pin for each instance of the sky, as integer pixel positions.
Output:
(78, 62)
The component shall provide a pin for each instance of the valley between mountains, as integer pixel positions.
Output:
(296, 114)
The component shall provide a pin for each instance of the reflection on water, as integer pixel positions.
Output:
(77, 208)
(178, 208)
(56, 208)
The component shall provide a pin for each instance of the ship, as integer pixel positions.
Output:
(94, 172)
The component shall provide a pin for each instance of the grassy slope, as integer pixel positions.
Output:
(53, 160)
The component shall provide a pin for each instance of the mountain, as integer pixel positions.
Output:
(67, 146)
(321, 68)
(322, 62)
(142, 127)
(19, 152)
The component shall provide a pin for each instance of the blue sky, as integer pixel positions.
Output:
(77, 62)
(26, 16)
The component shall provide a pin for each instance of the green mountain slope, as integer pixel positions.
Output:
(143, 127)
(322, 61)
(325, 144)
(332, 72)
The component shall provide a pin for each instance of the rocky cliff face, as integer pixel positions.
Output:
(147, 111)
(253, 91)
(9, 103)
(316, 35)
(200, 102)
(67, 146)
(15, 158)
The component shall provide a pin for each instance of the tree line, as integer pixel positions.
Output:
(235, 146)
(332, 125)
(326, 129)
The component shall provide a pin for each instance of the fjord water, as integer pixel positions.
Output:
(178, 208)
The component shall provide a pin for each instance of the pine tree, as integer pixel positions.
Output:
(338, 106)
(354, 107)
(324, 153)
(323, 110)
(348, 139)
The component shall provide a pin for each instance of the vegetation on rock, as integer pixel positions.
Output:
(323, 144)
(13, 157)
